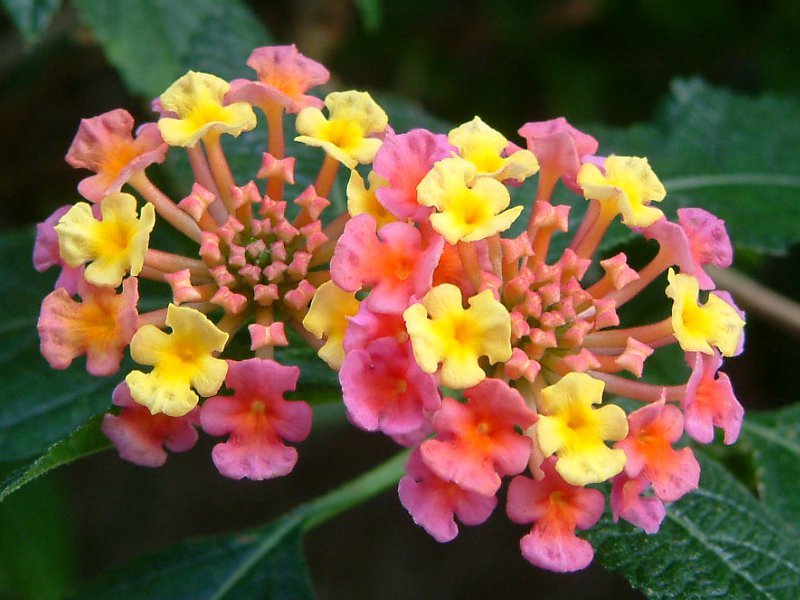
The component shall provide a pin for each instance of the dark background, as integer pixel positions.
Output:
(510, 62)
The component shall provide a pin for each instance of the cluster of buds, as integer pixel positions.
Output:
(484, 354)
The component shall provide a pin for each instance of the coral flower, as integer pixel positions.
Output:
(258, 419)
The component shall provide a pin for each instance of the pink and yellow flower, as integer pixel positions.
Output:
(575, 432)
(114, 245)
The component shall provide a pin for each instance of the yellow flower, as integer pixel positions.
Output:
(327, 316)
(196, 99)
(353, 116)
(181, 360)
(362, 200)
(483, 147)
(456, 337)
(698, 328)
(569, 427)
(627, 188)
(469, 206)
(114, 245)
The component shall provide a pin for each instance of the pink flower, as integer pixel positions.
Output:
(105, 145)
(627, 502)
(708, 237)
(476, 442)
(46, 252)
(284, 77)
(559, 148)
(652, 431)
(140, 437)
(403, 160)
(709, 401)
(556, 509)
(258, 419)
(385, 389)
(433, 503)
(393, 260)
(367, 326)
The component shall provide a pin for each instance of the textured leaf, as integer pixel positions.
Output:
(84, 441)
(39, 405)
(153, 42)
(717, 542)
(733, 155)
(774, 439)
(263, 563)
(31, 17)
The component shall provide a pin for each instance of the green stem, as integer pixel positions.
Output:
(354, 492)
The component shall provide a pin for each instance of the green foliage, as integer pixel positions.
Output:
(40, 405)
(84, 441)
(37, 543)
(717, 542)
(31, 17)
(264, 563)
(773, 438)
(732, 155)
(153, 42)
(371, 13)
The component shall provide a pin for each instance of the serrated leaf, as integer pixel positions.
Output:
(84, 441)
(31, 17)
(716, 542)
(773, 438)
(263, 563)
(153, 42)
(39, 405)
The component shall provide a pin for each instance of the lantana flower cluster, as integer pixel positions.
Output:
(479, 349)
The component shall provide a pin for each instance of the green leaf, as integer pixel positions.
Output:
(38, 543)
(84, 441)
(31, 17)
(153, 42)
(39, 405)
(716, 542)
(371, 13)
(773, 438)
(262, 563)
(265, 562)
(732, 155)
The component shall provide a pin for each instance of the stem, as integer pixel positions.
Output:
(165, 207)
(358, 490)
(326, 177)
(469, 260)
(635, 390)
(619, 337)
(276, 147)
(202, 175)
(265, 316)
(586, 246)
(220, 169)
(757, 298)
(660, 263)
(169, 263)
